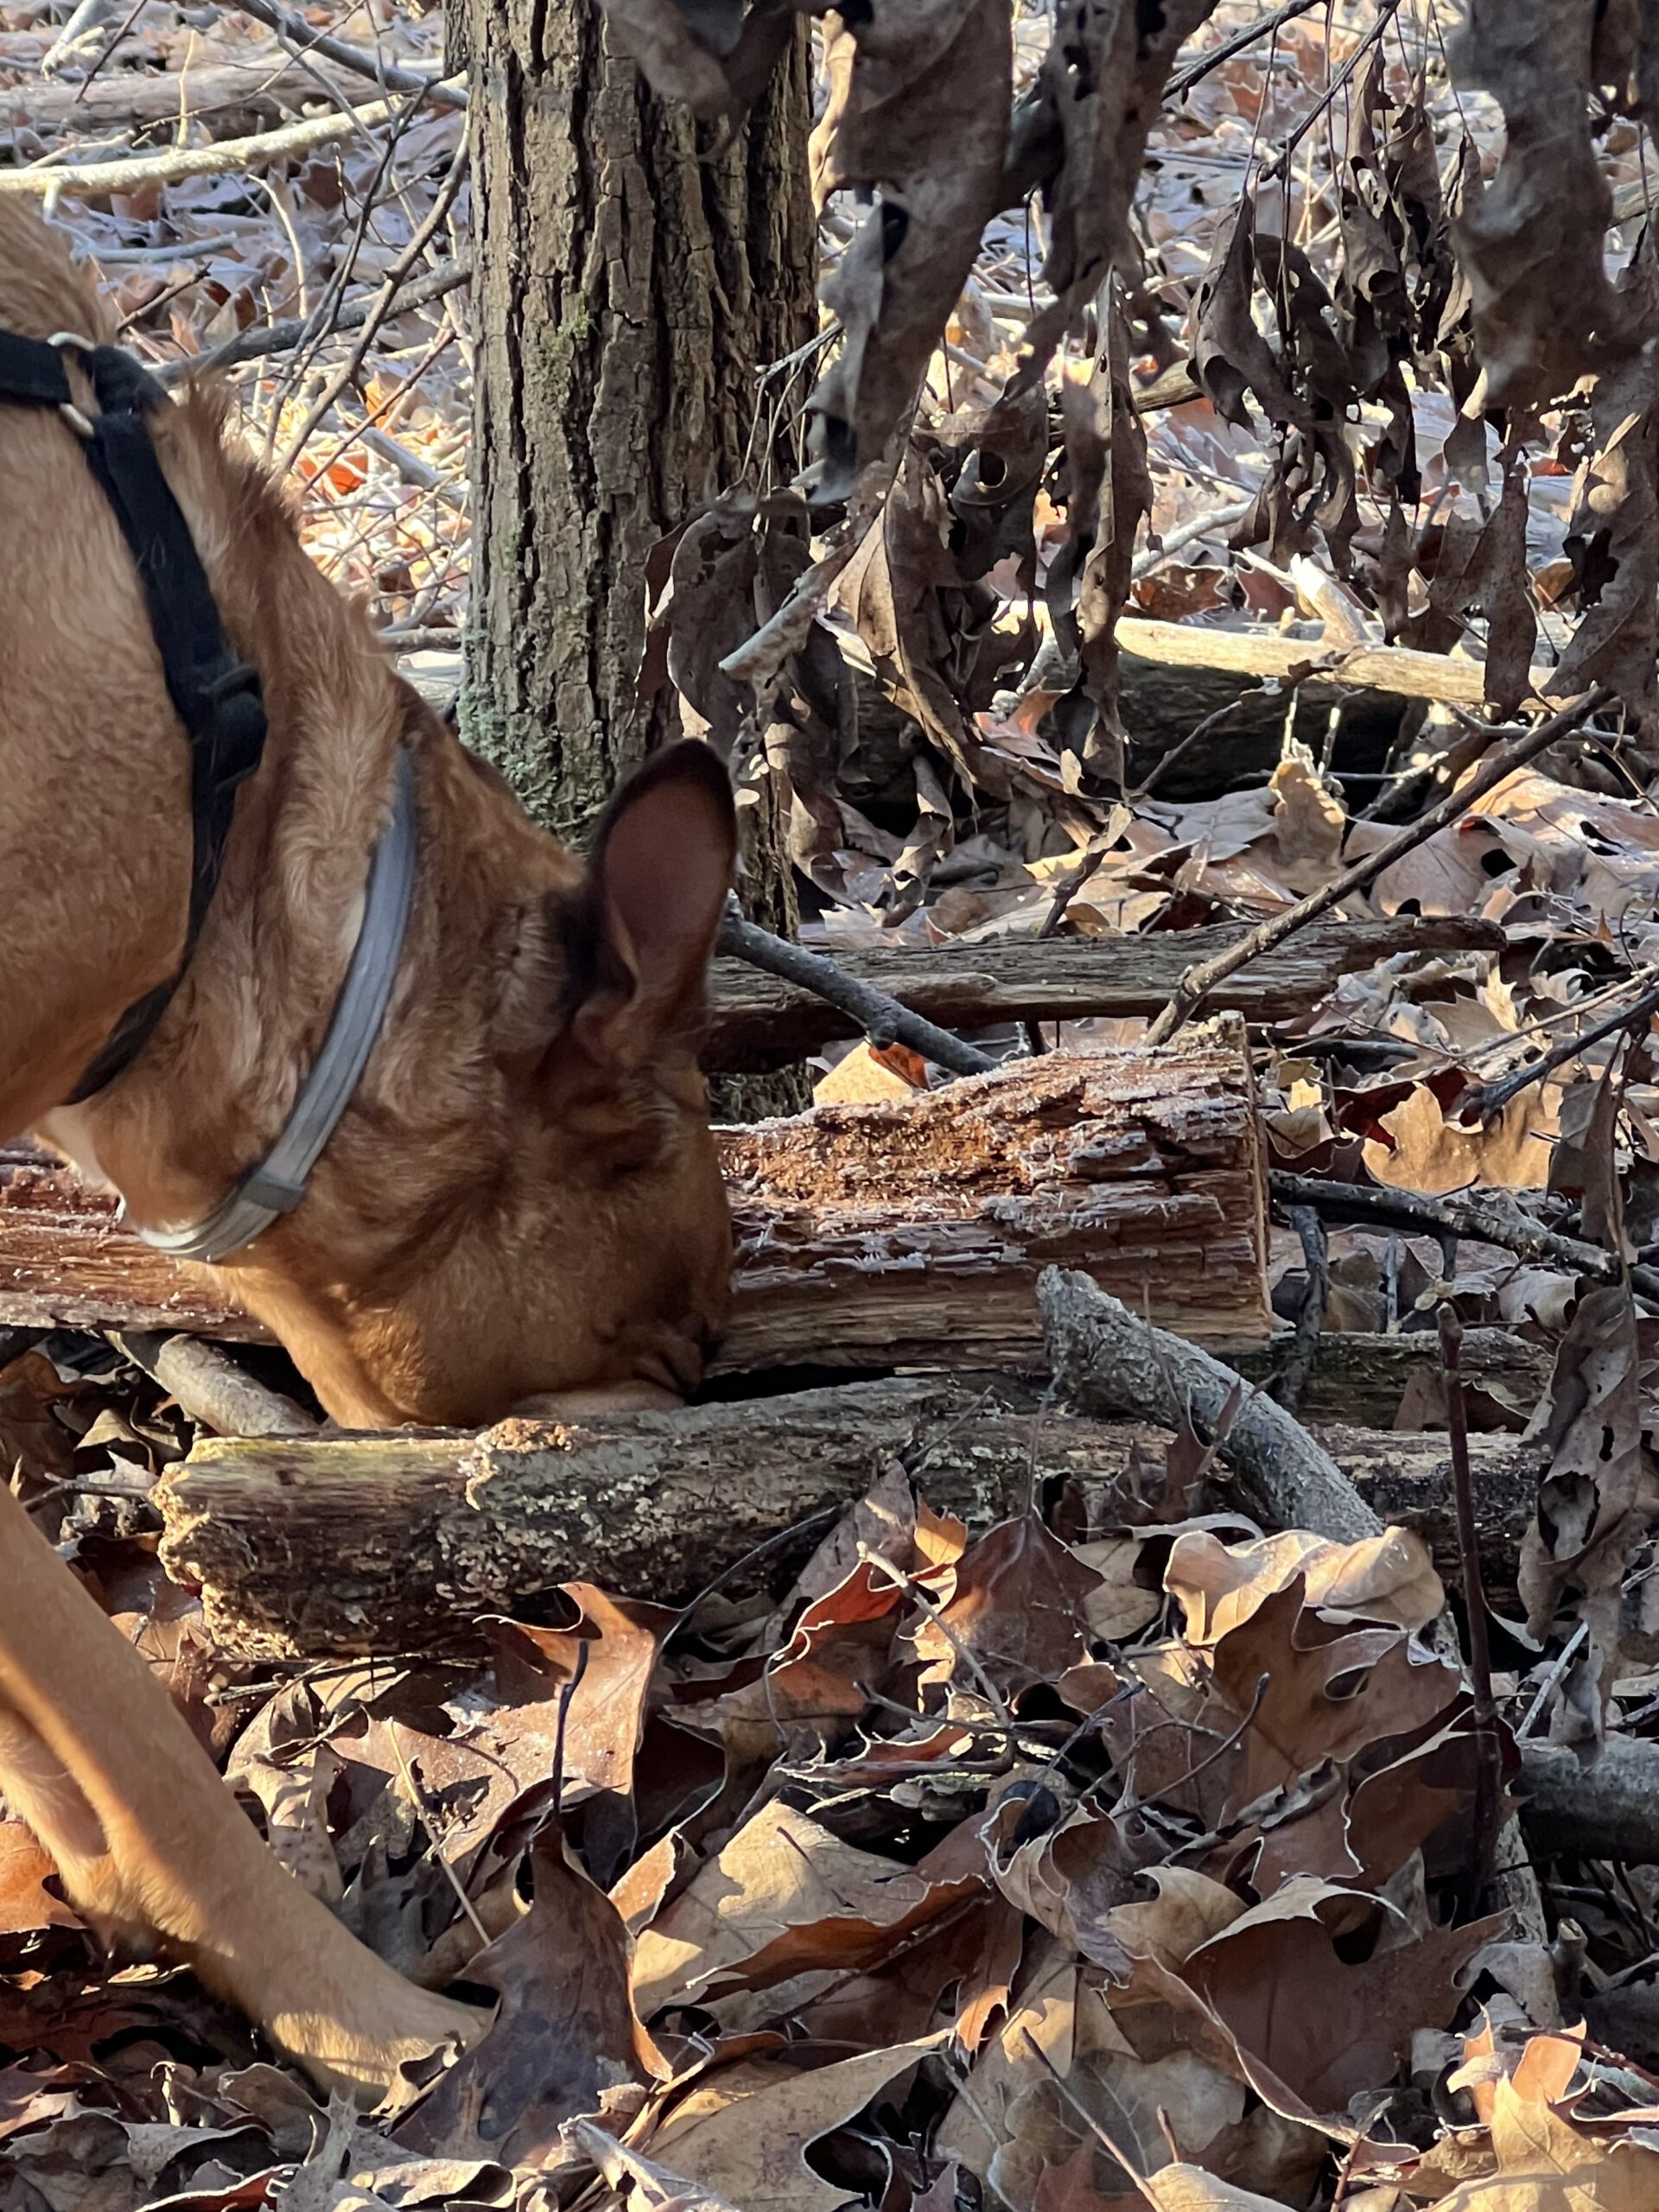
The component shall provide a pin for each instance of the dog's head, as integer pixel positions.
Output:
(577, 1253)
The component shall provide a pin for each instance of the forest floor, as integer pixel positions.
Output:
(1123, 1852)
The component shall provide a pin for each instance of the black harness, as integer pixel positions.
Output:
(217, 697)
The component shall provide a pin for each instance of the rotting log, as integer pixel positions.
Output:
(312, 1545)
(912, 1233)
(758, 1021)
(876, 1236)
(1260, 654)
(228, 98)
(1360, 1377)
(67, 1262)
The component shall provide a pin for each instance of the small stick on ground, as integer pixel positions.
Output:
(267, 337)
(1196, 985)
(1487, 1812)
(226, 155)
(1292, 1378)
(1489, 1098)
(1486, 1220)
(1107, 1360)
(387, 74)
(212, 1388)
(883, 1020)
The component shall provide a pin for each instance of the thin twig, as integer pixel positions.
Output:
(379, 308)
(281, 337)
(1489, 1220)
(914, 1591)
(1488, 1809)
(1197, 983)
(387, 74)
(1292, 1378)
(1213, 56)
(1546, 1688)
(217, 160)
(883, 1020)
(1489, 1098)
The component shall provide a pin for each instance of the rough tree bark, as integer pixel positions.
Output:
(636, 269)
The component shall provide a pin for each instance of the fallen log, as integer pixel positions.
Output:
(310, 1545)
(233, 95)
(1398, 668)
(911, 1234)
(67, 1262)
(877, 1235)
(758, 1021)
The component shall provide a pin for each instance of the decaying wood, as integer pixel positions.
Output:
(1359, 1377)
(867, 1236)
(1107, 1359)
(393, 1542)
(1248, 653)
(67, 1262)
(1604, 1810)
(311, 1545)
(211, 1388)
(228, 96)
(758, 1021)
(912, 1234)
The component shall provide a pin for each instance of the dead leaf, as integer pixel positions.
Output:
(564, 2039)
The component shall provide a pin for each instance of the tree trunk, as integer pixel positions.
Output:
(636, 271)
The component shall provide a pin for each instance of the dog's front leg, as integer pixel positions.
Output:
(151, 1844)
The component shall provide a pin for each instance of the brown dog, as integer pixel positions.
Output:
(522, 1198)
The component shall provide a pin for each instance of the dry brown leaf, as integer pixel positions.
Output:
(1435, 1156)
(1589, 1518)
(1018, 1609)
(1546, 2164)
(1530, 243)
(749, 2151)
(1388, 1578)
(783, 1896)
(26, 1904)
(1326, 2024)
(917, 115)
(564, 2037)
(869, 1072)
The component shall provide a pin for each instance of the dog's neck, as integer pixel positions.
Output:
(214, 1087)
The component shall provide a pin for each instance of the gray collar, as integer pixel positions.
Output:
(278, 1184)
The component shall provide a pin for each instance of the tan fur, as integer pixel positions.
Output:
(522, 1198)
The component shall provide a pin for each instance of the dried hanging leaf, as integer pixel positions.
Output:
(1612, 533)
(1530, 242)
(1082, 133)
(714, 55)
(1589, 1518)
(919, 94)
(1483, 566)
(1108, 494)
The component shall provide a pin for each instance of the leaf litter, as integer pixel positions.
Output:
(1050, 1866)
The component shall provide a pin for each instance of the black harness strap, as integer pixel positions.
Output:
(216, 695)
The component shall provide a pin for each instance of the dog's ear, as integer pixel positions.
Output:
(642, 930)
